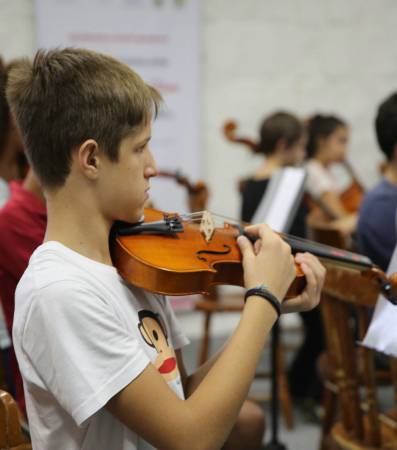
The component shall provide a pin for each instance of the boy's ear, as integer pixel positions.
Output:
(88, 158)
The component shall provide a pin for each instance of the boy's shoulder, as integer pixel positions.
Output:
(57, 271)
(50, 263)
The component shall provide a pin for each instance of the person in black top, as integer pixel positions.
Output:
(282, 142)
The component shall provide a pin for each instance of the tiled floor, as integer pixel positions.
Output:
(306, 434)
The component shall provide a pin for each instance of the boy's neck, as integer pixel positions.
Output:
(78, 226)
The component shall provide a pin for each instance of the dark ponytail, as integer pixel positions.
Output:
(320, 126)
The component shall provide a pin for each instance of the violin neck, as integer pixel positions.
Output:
(333, 255)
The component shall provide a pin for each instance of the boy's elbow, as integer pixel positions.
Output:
(198, 438)
(193, 436)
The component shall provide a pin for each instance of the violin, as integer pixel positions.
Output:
(183, 254)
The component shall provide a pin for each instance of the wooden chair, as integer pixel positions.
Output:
(347, 301)
(11, 436)
(323, 232)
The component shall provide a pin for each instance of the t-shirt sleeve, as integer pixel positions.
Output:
(318, 181)
(178, 337)
(78, 347)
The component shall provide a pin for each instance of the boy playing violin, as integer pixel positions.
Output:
(100, 358)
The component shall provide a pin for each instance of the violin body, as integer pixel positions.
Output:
(183, 263)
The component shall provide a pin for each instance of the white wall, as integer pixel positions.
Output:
(305, 55)
(259, 55)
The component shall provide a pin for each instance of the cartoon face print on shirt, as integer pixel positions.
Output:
(154, 334)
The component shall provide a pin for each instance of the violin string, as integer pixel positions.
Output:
(218, 219)
(309, 246)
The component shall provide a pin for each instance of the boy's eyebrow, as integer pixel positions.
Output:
(144, 141)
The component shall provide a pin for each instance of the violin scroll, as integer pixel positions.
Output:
(387, 284)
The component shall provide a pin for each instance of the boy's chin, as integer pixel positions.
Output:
(136, 217)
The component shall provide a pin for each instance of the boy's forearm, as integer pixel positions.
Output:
(216, 401)
(195, 378)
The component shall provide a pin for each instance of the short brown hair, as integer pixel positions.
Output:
(69, 95)
(279, 125)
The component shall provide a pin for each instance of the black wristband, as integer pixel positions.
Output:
(261, 291)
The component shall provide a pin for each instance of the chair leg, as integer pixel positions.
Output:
(205, 341)
(284, 393)
(329, 404)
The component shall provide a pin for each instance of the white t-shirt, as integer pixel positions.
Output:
(81, 334)
(319, 179)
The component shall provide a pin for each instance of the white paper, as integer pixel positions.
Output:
(282, 198)
(382, 332)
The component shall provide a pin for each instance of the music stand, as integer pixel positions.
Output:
(278, 209)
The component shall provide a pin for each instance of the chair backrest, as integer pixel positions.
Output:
(11, 436)
(347, 301)
(321, 231)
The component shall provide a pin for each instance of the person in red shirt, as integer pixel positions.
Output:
(12, 160)
(23, 222)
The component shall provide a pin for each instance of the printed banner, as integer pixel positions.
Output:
(160, 40)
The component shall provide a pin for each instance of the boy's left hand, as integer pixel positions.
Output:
(315, 274)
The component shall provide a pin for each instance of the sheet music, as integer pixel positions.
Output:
(282, 199)
(382, 332)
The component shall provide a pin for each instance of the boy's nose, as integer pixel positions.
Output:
(151, 168)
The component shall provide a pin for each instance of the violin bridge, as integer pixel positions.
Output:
(207, 227)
